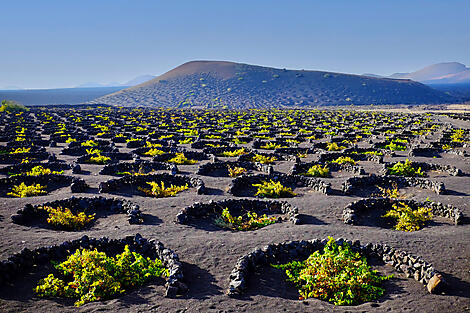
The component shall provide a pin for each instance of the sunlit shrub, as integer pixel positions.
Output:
(160, 191)
(337, 274)
(405, 169)
(264, 159)
(236, 171)
(23, 190)
(181, 159)
(272, 189)
(248, 221)
(318, 171)
(63, 218)
(408, 219)
(89, 275)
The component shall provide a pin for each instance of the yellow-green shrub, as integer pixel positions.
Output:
(89, 275)
(153, 152)
(39, 170)
(181, 159)
(273, 189)
(236, 171)
(160, 191)
(344, 160)
(337, 274)
(407, 218)
(23, 190)
(64, 218)
(318, 171)
(263, 159)
(249, 221)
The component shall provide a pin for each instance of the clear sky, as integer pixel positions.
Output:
(62, 43)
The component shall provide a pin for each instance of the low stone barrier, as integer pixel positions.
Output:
(25, 260)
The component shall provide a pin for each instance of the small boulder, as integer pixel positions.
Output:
(436, 284)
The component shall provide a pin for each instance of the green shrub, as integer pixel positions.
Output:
(20, 150)
(93, 151)
(263, 159)
(131, 173)
(22, 190)
(148, 144)
(238, 141)
(333, 146)
(89, 275)
(99, 159)
(249, 221)
(407, 218)
(64, 218)
(186, 141)
(457, 135)
(395, 147)
(236, 171)
(318, 171)
(337, 275)
(405, 169)
(39, 170)
(344, 160)
(89, 143)
(373, 153)
(234, 153)
(273, 189)
(271, 146)
(160, 191)
(390, 193)
(153, 152)
(12, 106)
(181, 159)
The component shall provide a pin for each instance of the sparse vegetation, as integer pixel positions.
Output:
(344, 160)
(234, 153)
(12, 107)
(272, 189)
(333, 146)
(405, 169)
(89, 275)
(160, 191)
(236, 171)
(22, 190)
(63, 218)
(181, 159)
(337, 274)
(248, 221)
(153, 152)
(318, 171)
(408, 219)
(263, 159)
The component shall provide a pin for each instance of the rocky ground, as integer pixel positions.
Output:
(209, 255)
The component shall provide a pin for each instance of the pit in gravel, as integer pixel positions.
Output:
(369, 212)
(202, 215)
(27, 267)
(130, 184)
(51, 181)
(249, 266)
(35, 215)
(243, 186)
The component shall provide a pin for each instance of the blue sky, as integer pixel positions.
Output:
(50, 44)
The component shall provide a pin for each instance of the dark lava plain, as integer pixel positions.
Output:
(208, 256)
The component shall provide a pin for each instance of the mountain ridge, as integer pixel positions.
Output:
(434, 74)
(215, 84)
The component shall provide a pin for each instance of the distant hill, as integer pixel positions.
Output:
(437, 74)
(56, 96)
(215, 84)
(139, 80)
(135, 81)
